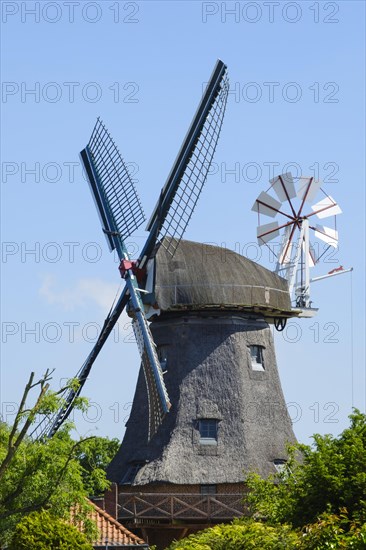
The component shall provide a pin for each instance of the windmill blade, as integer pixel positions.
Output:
(326, 207)
(328, 235)
(307, 188)
(158, 400)
(113, 190)
(267, 232)
(182, 189)
(267, 205)
(159, 403)
(50, 424)
(284, 187)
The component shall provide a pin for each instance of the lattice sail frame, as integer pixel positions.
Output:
(115, 195)
(296, 255)
(194, 175)
(156, 410)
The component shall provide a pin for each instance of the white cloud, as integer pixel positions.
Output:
(82, 293)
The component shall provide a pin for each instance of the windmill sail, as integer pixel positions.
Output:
(284, 187)
(183, 187)
(267, 205)
(157, 394)
(113, 190)
(120, 212)
(267, 232)
(326, 207)
(308, 188)
(49, 425)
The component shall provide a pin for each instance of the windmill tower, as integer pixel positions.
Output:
(228, 412)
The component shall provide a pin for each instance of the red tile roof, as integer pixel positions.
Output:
(111, 532)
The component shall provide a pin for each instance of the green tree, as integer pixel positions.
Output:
(94, 455)
(41, 475)
(329, 477)
(41, 531)
(37, 475)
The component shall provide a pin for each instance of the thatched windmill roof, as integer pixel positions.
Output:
(202, 276)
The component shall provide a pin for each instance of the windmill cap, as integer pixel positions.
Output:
(201, 276)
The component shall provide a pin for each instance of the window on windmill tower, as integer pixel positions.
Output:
(131, 473)
(256, 357)
(208, 431)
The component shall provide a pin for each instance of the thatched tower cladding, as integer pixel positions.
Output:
(210, 377)
(228, 412)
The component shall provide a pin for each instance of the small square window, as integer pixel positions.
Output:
(208, 489)
(256, 357)
(208, 431)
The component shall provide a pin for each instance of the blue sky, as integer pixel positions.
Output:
(297, 83)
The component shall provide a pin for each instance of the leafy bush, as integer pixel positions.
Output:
(240, 535)
(39, 531)
(330, 531)
(333, 531)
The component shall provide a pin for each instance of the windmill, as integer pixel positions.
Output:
(121, 214)
(202, 317)
(297, 253)
(229, 415)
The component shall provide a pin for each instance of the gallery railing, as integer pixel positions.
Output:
(152, 506)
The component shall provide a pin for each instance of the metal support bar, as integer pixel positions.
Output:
(321, 277)
(293, 270)
(306, 289)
